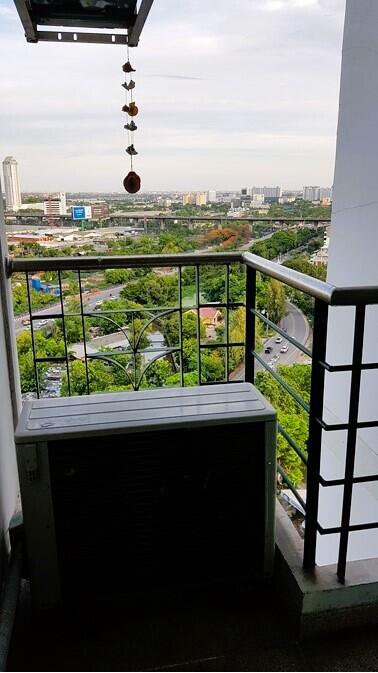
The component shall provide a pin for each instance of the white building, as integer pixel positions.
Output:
(257, 201)
(11, 184)
(212, 196)
(311, 193)
(55, 204)
(326, 193)
(267, 192)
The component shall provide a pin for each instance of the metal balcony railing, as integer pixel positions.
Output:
(324, 295)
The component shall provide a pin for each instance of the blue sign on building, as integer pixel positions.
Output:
(78, 212)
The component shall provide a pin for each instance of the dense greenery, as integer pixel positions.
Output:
(290, 239)
(291, 416)
(37, 299)
(304, 302)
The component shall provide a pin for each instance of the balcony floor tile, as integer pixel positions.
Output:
(218, 630)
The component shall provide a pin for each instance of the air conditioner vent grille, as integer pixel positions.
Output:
(159, 507)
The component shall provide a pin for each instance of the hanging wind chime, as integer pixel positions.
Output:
(132, 181)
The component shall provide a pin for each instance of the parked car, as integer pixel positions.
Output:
(268, 349)
(278, 340)
(284, 348)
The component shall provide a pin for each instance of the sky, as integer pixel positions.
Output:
(231, 93)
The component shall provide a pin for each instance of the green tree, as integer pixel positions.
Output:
(99, 375)
(275, 300)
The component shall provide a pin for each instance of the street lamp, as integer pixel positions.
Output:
(264, 312)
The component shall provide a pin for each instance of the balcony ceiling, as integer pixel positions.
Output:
(83, 14)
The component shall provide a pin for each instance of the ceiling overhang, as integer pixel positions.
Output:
(64, 20)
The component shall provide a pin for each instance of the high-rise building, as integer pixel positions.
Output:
(11, 184)
(311, 193)
(55, 204)
(325, 193)
(212, 196)
(201, 199)
(188, 199)
(271, 194)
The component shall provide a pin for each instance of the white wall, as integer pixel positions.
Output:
(9, 399)
(353, 260)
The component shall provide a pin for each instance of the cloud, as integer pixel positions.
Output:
(229, 94)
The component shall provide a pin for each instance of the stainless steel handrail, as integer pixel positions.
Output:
(330, 294)
(118, 261)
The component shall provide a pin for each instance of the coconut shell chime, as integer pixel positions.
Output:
(132, 180)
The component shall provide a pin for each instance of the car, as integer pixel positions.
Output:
(268, 349)
(278, 340)
(284, 348)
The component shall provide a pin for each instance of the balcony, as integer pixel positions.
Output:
(314, 595)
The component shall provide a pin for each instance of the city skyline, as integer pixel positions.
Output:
(219, 107)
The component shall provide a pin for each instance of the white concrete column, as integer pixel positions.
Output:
(353, 261)
(10, 398)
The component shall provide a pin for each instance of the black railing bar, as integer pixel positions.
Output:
(314, 440)
(32, 336)
(363, 526)
(198, 322)
(355, 296)
(227, 288)
(250, 325)
(129, 351)
(280, 331)
(83, 328)
(292, 443)
(356, 480)
(348, 368)
(354, 399)
(222, 344)
(217, 383)
(182, 381)
(291, 486)
(345, 426)
(17, 264)
(283, 383)
(352, 528)
(64, 332)
(52, 358)
(91, 314)
(184, 309)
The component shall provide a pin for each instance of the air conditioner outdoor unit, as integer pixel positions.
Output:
(146, 489)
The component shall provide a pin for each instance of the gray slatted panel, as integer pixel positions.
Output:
(143, 410)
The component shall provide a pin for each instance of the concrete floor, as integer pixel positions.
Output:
(220, 630)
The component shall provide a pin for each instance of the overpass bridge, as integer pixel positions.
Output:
(159, 222)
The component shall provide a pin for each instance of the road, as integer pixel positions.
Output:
(297, 327)
(89, 302)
